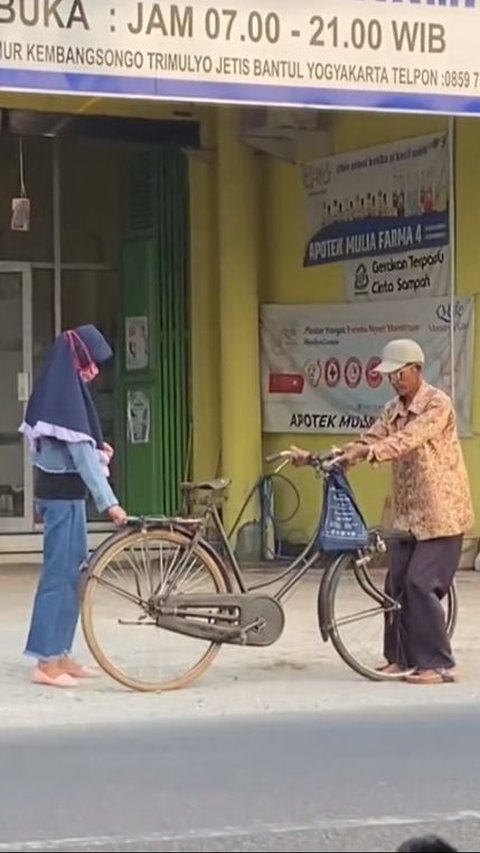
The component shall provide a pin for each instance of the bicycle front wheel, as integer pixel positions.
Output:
(355, 612)
(120, 630)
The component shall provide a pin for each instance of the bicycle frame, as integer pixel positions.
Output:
(234, 613)
(294, 573)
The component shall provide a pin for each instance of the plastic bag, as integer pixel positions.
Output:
(342, 526)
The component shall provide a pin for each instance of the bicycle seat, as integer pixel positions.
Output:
(207, 485)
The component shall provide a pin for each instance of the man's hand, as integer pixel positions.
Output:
(118, 516)
(299, 457)
(353, 454)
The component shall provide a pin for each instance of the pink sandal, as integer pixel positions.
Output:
(63, 680)
(78, 670)
(86, 672)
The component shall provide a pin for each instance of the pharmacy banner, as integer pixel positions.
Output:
(400, 55)
(383, 214)
(318, 361)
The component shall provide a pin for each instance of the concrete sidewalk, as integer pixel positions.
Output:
(299, 673)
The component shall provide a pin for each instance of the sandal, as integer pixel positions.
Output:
(78, 670)
(432, 676)
(62, 680)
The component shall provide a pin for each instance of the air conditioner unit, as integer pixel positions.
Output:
(294, 135)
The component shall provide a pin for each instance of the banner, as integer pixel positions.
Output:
(403, 276)
(383, 213)
(318, 361)
(395, 55)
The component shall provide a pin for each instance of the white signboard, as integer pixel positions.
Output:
(376, 54)
(138, 417)
(318, 361)
(136, 343)
(383, 212)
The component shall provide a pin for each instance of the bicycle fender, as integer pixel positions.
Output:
(323, 600)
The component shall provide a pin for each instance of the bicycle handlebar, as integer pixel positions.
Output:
(322, 462)
(275, 457)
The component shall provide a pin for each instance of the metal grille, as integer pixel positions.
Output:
(173, 323)
(156, 281)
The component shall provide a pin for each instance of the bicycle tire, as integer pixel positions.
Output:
(100, 562)
(326, 608)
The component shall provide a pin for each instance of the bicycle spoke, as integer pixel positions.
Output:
(121, 592)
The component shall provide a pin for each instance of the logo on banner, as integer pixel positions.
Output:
(353, 372)
(374, 378)
(288, 337)
(444, 312)
(318, 175)
(332, 372)
(361, 281)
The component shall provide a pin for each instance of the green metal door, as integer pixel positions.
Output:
(154, 393)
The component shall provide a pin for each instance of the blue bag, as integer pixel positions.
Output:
(342, 526)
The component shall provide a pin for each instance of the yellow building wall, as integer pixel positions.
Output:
(285, 281)
(204, 308)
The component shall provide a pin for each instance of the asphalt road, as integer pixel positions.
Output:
(303, 783)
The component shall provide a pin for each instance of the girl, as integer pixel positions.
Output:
(70, 458)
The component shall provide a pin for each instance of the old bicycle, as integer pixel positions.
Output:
(160, 580)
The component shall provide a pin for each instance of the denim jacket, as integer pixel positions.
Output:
(62, 457)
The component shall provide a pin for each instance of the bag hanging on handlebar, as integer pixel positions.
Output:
(342, 526)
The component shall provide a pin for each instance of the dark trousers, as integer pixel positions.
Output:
(419, 576)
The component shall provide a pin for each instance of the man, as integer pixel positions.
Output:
(417, 433)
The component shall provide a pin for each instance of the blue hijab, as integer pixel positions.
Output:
(61, 405)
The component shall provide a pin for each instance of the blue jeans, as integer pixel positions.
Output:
(57, 606)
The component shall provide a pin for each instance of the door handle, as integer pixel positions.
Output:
(23, 387)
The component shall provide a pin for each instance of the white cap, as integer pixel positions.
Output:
(399, 353)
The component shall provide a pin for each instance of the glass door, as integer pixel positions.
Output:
(16, 497)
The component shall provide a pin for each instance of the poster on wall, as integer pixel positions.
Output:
(136, 343)
(138, 417)
(318, 361)
(383, 213)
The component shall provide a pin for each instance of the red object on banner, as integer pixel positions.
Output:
(374, 378)
(353, 372)
(286, 383)
(332, 372)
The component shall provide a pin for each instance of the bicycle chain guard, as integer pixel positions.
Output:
(245, 619)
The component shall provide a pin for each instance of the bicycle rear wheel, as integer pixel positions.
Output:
(118, 620)
(354, 614)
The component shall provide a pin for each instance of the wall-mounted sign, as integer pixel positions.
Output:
(136, 343)
(138, 417)
(383, 213)
(319, 361)
(419, 55)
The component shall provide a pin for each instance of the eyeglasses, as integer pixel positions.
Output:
(398, 375)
